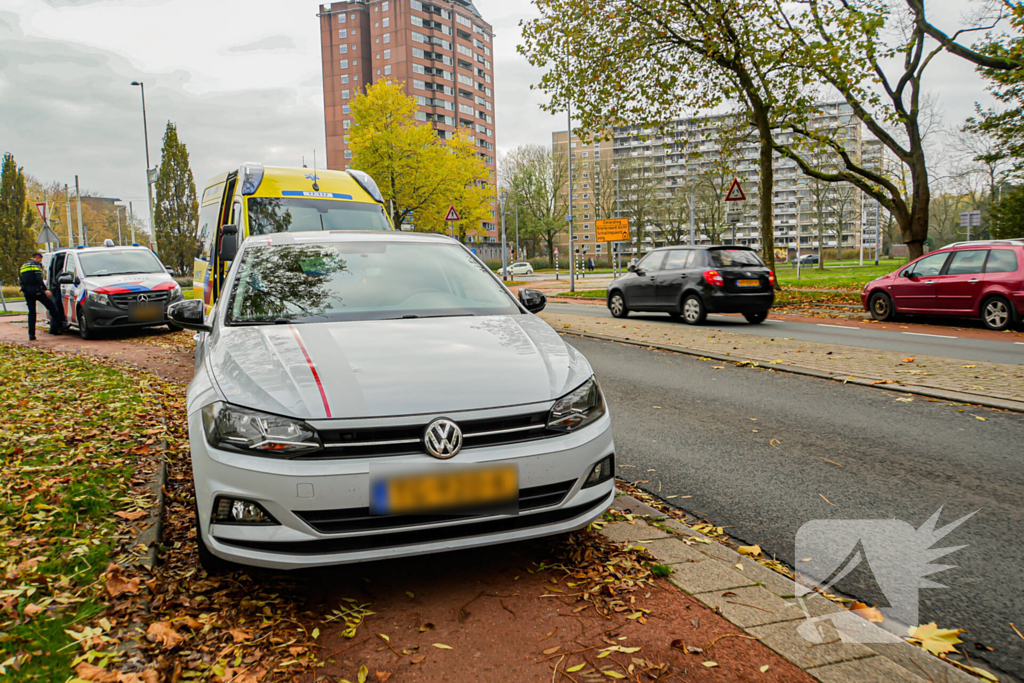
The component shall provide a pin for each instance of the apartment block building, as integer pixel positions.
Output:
(698, 158)
(439, 50)
(592, 181)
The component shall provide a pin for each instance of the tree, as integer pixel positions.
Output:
(1008, 215)
(177, 208)
(643, 62)
(537, 179)
(16, 239)
(419, 174)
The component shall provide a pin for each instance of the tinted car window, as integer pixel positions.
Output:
(967, 262)
(652, 261)
(1001, 261)
(677, 258)
(287, 214)
(929, 266)
(723, 258)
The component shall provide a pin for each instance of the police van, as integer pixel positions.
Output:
(109, 287)
(258, 200)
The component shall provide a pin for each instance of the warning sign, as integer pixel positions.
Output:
(612, 230)
(452, 214)
(42, 209)
(735, 193)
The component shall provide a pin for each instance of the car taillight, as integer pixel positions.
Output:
(713, 277)
(771, 278)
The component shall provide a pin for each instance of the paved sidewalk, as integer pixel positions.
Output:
(991, 384)
(760, 602)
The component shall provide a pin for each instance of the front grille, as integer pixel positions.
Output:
(360, 519)
(123, 300)
(408, 439)
(398, 539)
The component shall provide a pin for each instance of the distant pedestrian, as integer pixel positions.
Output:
(33, 286)
(590, 264)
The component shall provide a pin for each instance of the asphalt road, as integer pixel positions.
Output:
(947, 346)
(749, 448)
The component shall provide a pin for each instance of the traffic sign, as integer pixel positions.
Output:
(452, 214)
(47, 236)
(970, 219)
(735, 193)
(42, 209)
(612, 229)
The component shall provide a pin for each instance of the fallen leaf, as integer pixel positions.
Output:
(710, 664)
(131, 516)
(410, 594)
(417, 660)
(763, 668)
(905, 400)
(969, 366)
(908, 360)
(426, 627)
(316, 633)
(979, 417)
(90, 672)
(552, 650)
(612, 674)
(578, 667)
(32, 609)
(934, 639)
(363, 673)
(442, 646)
(872, 614)
(161, 632)
(751, 550)
(239, 635)
(381, 676)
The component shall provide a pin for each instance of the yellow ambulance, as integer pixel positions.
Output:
(258, 200)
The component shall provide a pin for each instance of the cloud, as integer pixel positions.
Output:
(263, 44)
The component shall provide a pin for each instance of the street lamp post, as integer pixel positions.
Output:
(504, 248)
(149, 184)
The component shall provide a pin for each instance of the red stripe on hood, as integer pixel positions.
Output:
(312, 368)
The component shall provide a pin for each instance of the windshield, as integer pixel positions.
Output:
(113, 262)
(293, 214)
(362, 281)
(723, 258)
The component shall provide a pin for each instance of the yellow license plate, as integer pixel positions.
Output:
(450, 491)
(748, 283)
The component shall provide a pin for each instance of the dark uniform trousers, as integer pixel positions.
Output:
(34, 288)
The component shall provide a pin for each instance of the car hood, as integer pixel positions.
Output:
(135, 283)
(384, 368)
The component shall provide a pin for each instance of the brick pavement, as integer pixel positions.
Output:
(996, 384)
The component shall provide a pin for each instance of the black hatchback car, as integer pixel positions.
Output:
(690, 282)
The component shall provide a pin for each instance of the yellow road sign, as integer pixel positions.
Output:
(612, 230)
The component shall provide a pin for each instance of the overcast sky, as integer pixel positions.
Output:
(240, 78)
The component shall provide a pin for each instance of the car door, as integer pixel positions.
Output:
(67, 292)
(958, 288)
(672, 277)
(642, 291)
(913, 291)
(1002, 272)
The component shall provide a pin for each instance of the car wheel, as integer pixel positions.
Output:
(880, 306)
(756, 318)
(84, 330)
(693, 310)
(996, 313)
(173, 328)
(207, 560)
(617, 305)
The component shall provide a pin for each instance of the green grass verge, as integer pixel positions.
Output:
(68, 429)
(586, 294)
(832, 278)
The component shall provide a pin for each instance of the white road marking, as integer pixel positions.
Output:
(842, 327)
(1021, 343)
(921, 334)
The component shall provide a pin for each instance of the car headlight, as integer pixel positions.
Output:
(579, 407)
(240, 429)
(176, 291)
(98, 298)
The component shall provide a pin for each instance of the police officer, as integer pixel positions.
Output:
(33, 286)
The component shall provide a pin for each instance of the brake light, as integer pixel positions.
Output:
(713, 277)
(771, 278)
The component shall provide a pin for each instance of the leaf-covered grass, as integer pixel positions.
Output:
(71, 431)
(586, 294)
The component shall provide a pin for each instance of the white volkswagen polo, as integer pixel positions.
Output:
(370, 395)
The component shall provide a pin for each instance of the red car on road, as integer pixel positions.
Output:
(966, 280)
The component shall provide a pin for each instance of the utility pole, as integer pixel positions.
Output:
(693, 231)
(131, 221)
(568, 158)
(120, 242)
(78, 198)
(67, 211)
(617, 268)
(504, 248)
(518, 255)
(149, 181)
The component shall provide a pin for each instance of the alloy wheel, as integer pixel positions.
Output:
(617, 305)
(691, 310)
(997, 315)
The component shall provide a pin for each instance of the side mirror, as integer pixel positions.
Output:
(632, 267)
(906, 272)
(170, 271)
(228, 242)
(190, 314)
(532, 300)
(66, 278)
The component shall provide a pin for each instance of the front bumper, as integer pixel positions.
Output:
(294, 491)
(106, 316)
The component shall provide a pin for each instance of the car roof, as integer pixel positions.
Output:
(336, 236)
(88, 250)
(983, 243)
(703, 247)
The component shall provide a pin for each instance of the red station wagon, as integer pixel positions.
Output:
(965, 280)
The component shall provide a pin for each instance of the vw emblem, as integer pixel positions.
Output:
(143, 297)
(443, 438)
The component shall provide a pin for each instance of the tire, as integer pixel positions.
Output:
(996, 313)
(207, 560)
(617, 305)
(173, 328)
(693, 310)
(84, 330)
(880, 306)
(756, 318)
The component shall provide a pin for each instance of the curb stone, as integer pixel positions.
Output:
(766, 614)
(153, 533)
(918, 390)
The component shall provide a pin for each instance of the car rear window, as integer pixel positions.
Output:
(723, 258)
(1001, 261)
